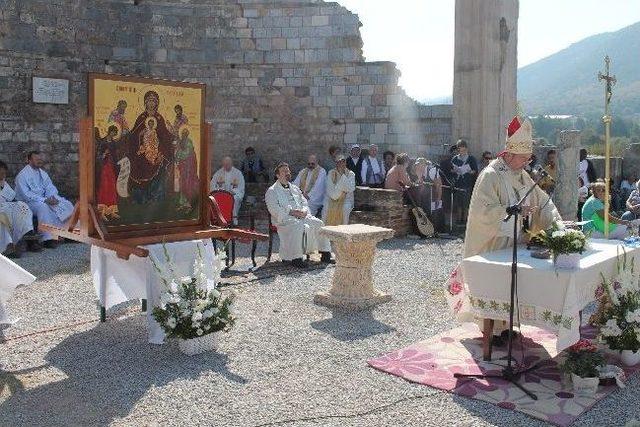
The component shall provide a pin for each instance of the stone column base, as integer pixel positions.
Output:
(362, 303)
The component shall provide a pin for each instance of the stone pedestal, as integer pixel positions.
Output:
(565, 195)
(352, 285)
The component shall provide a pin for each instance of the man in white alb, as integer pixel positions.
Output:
(297, 228)
(35, 188)
(230, 179)
(338, 202)
(312, 180)
(16, 218)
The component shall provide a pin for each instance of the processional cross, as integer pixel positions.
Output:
(610, 81)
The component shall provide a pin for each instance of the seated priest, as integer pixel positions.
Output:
(16, 219)
(230, 179)
(501, 184)
(35, 188)
(311, 180)
(338, 202)
(297, 228)
(593, 211)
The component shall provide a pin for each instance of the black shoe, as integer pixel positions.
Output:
(34, 246)
(298, 263)
(505, 335)
(497, 341)
(12, 252)
(50, 244)
(325, 258)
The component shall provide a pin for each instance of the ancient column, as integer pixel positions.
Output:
(485, 65)
(565, 195)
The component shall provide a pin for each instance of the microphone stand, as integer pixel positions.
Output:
(509, 373)
(452, 189)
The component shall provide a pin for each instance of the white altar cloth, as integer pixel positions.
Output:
(11, 276)
(549, 297)
(117, 280)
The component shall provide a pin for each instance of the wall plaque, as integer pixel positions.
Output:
(50, 91)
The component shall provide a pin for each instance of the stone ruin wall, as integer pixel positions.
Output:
(287, 77)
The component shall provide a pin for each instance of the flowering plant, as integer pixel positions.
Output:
(189, 306)
(618, 315)
(583, 359)
(561, 240)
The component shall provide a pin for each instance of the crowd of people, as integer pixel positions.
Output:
(326, 190)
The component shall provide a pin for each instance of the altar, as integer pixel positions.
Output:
(117, 280)
(549, 297)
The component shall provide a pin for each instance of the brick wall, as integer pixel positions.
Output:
(287, 77)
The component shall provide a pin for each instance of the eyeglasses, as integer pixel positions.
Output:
(487, 158)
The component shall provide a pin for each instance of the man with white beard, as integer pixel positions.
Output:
(230, 179)
(298, 230)
(312, 181)
(35, 188)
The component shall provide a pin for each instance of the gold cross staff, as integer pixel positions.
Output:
(610, 81)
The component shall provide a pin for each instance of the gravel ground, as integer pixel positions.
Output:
(287, 362)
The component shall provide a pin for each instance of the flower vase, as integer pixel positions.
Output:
(585, 386)
(568, 261)
(630, 357)
(193, 346)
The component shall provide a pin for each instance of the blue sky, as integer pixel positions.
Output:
(418, 34)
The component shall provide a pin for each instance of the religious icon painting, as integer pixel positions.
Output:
(149, 145)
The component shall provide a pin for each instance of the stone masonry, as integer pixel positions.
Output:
(287, 77)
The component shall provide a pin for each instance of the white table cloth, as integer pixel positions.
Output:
(11, 276)
(117, 280)
(549, 297)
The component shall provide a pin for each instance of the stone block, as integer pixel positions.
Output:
(279, 43)
(319, 21)
(251, 13)
(124, 53)
(293, 43)
(263, 44)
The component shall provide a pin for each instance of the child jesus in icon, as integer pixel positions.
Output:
(150, 143)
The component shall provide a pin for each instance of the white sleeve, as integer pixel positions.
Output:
(49, 188)
(347, 183)
(240, 189)
(363, 172)
(298, 179)
(277, 212)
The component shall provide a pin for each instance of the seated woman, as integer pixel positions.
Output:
(633, 204)
(593, 211)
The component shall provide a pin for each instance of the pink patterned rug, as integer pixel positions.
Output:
(434, 361)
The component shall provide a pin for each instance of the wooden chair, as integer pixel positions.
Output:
(226, 202)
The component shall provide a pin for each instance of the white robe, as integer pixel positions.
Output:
(297, 236)
(345, 184)
(583, 165)
(315, 193)
(33, 186)
(12, 276)
(18, 214)
(233, 182)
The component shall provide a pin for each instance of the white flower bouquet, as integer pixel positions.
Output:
(190, 307)
(619, 313)
(561, 241)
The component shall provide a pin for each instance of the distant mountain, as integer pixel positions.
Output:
(566, 82)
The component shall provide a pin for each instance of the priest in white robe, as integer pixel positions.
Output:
(35, 188)
(338, 202)
(16, 218)
(311, 180)
(230, 179)
(298, 230)
(501, 184)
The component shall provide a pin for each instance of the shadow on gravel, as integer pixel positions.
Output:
(108, 368)
(351, 326)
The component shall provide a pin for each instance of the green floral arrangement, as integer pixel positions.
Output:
(560, 240)
(583, 359)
